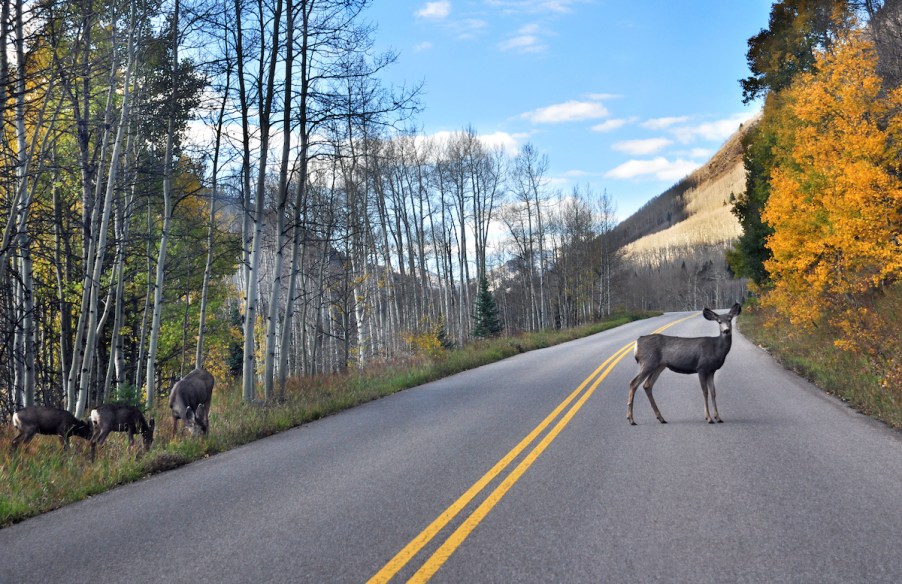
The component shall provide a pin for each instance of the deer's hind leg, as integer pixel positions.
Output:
(648, 385)
(647, 375)
(643, 374)
(24, 437)
(634, 384)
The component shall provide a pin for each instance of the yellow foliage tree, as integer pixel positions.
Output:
(836, 199)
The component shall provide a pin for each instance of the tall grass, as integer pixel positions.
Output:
(42, 476)
(814, 355)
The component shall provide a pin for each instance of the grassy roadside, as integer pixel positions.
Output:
(42, 476)
(813, 355)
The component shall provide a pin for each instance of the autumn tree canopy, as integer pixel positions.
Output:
(835, 205)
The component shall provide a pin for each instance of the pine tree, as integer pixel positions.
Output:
(487, 321)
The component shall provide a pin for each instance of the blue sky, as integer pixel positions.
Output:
(623, 95)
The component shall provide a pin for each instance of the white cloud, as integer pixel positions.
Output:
(526, 40)
(557, 183)
(660, 168)
(663, 123)
(570, 111)
(535, 6)
(468, 28)
(603, 96)
(642, 147)
(200, 133)
(434, 10)
(715, 131)
(424, 46)
(523, 43)
(612, 124)
(577, 174)
(510, 143)
(712, 131)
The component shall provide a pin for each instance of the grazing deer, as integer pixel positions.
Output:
(190, 399)
(48, 421)
(702, 355)
(120, 418)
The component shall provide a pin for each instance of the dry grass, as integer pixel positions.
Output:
(41, 476)
(814, 355)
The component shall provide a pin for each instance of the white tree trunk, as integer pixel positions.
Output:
(249, 360)
(85, 336)
(282, 235)
(167, 221)
(27, 284)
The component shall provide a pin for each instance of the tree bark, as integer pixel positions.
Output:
(264, 109)
(167, 221)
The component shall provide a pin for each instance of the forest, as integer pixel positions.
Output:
(822, 210)
(230, 185)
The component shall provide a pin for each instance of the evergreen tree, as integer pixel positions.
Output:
(487, 321)
(776, 56)
(750, 252)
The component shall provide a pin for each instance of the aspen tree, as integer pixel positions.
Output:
(150, 384)
(264, 109)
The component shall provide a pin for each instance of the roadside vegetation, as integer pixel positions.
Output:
(42, 476)
(822, 209)
(813, 354)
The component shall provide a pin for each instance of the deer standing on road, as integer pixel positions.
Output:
(190, 401)
(702, 355)
(48, 421)
(119, 418)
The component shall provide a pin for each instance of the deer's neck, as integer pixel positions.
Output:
(725, 341)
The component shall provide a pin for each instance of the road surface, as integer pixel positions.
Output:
(521, 471)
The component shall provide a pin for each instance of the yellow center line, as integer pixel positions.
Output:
(412, 548)
(451, 544)
(438, 559)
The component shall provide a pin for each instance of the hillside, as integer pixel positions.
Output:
(675, 245)
(695, 211)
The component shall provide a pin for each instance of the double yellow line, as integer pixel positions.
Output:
(441, 555)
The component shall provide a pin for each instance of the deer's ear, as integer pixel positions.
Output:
(709, 314)
(737, 308)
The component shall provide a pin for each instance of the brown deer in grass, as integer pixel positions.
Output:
(50, 422)
(702, 355)
(120, 418)
(190, 400)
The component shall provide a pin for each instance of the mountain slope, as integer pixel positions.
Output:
(696, 210)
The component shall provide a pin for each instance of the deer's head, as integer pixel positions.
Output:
(724, 320)
(196, 422)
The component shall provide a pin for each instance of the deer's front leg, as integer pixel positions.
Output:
(714, 399)
(703, 379)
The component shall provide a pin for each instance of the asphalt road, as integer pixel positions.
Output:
(793, 487)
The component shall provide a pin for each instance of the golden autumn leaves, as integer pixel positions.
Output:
(836, 199)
